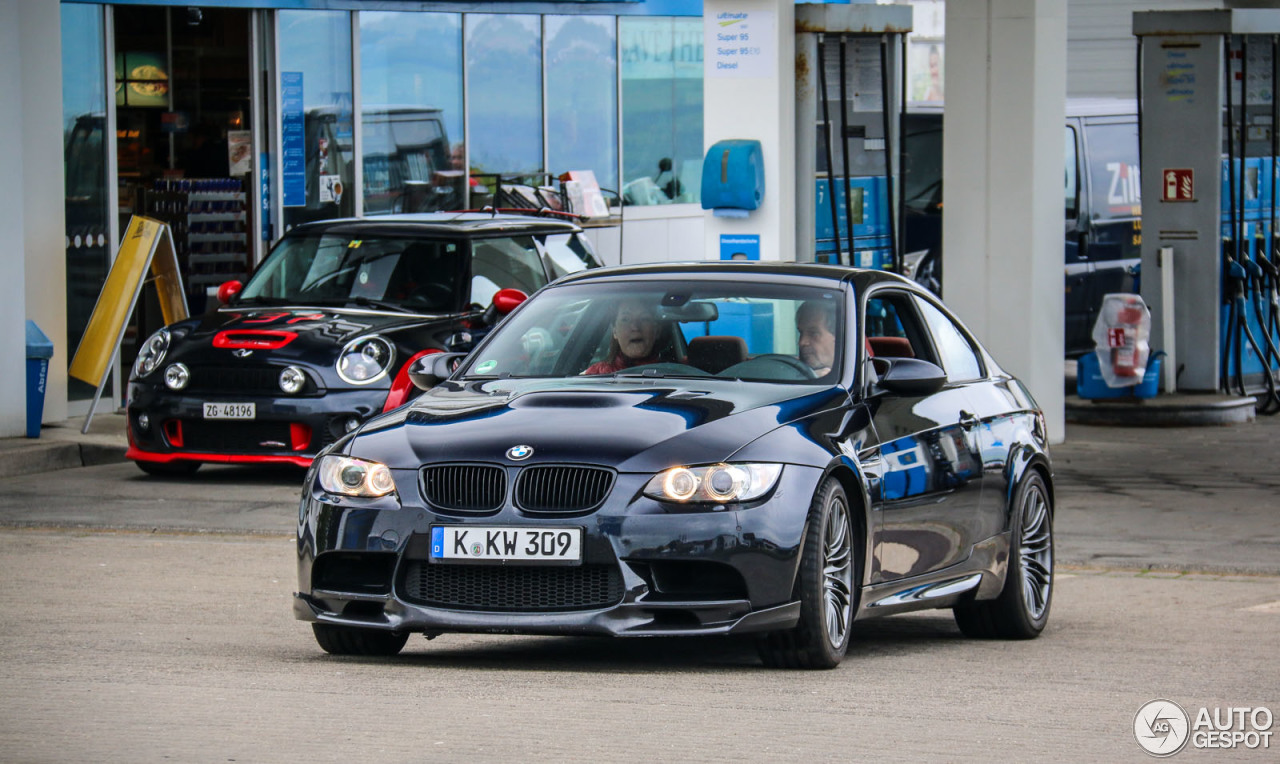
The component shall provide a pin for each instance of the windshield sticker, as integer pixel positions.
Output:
(355, 244)
(484, 367)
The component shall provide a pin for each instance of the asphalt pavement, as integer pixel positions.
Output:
(1194, 499)
(151, 620)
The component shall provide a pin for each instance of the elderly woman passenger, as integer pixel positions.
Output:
(635, 332)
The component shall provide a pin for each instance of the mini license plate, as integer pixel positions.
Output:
(230, 410)
(450, 543)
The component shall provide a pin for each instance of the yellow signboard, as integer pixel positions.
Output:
(146, 243)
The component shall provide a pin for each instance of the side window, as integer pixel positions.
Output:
(893, 328)
(510, 263)
(1071, 174)
(1115, 186)
(959, 358)
(568, 253)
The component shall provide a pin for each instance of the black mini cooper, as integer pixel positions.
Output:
(711, 448)
(320, 339)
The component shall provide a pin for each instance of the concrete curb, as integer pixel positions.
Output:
(1162, 411)
(48, 456)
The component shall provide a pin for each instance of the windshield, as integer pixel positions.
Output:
(404, 273)
(731, 330)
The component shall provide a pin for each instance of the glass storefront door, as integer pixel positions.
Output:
(84, 125)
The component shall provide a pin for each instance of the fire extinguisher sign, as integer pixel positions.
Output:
(1177, 185)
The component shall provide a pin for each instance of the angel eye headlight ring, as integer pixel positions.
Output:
(713, 484)
(347, 476)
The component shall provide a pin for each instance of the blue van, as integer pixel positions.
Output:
(1102, 206)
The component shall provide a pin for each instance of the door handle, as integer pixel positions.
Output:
(967, 420)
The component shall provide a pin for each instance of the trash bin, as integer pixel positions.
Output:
(39, 351)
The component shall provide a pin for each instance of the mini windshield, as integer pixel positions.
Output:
(421, 275)
(731, 330)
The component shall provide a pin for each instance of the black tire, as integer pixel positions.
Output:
(169, 469)
(827, 587)
(350, 640)
(1022, 609)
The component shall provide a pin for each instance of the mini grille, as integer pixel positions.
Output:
(242, 379)
(465, 487)
(199, 435)
(562, 490)
(507, 588)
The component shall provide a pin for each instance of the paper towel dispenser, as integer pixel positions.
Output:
(733, 178)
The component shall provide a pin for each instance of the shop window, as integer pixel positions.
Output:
(411, 111)
(504, 84)
(582, 101)
(315, 71)
(661, 109)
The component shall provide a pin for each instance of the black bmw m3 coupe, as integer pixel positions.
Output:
(321, 337)
(711, 448)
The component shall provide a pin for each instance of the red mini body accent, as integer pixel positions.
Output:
(253, 339)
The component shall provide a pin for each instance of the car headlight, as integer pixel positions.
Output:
(151, 353)
(177, 376)
(366, 360)
(717, 483)
(292, 379)
(346, 476)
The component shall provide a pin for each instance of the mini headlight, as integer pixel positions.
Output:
(346, 476)
(366, 360)
(151, 353)
(717, 483)
(292, 379)
(176, 376)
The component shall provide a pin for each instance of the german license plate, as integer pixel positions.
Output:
(491, 544)
(230, 410)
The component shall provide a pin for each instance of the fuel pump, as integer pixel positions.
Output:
(849, 101)
(1209, 142)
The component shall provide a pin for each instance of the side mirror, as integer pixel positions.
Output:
(429, 370)
(505, 301)
(228, 290)
(912, 376)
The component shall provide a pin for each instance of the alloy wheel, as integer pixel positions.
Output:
(1036, 551)
(837, 573)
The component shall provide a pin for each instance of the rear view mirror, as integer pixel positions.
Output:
(911, 376)
(692, 312)
(429, 370)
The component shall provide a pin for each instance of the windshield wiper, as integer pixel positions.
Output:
(364, 302)
(645, 373)
(249, 301)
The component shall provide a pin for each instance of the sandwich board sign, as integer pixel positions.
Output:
(147, 244)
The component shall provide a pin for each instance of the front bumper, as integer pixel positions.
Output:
(670, 571)
(289, 430)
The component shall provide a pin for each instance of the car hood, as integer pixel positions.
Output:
(628, 424)
(287, 335)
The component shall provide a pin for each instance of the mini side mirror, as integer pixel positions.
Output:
(504, 301)
(228, 290)
(912, 376)
(429, 370)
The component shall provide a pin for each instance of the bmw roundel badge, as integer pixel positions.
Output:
(519, 453)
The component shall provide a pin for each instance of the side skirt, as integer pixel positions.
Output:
(981, 576)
